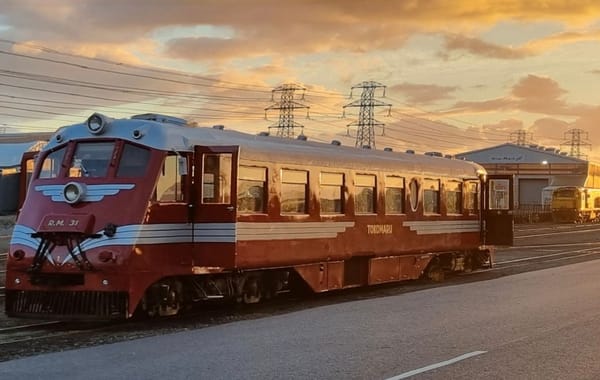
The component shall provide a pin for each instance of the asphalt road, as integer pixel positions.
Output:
(535, 325)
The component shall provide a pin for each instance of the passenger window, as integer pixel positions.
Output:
(168, 188)
(472, 197)
(453, 192)
(216, 178)
(331, 193)
(52, 163)
(431, 196)
(252, 189)
(134, 161)
(394, 195)
(364, 194)
(91, 159)
(294, 191)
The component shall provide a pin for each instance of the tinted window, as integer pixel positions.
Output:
(431, 196)
(134, 161)
(331, 193)
(294, 191)
(454, 197)
(394, 195)
(251, 190)
(364, 194)
(91, 159)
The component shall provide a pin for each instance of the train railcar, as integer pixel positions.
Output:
(147, 215)
(573, 204)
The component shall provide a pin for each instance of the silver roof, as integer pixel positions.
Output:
(182, 138)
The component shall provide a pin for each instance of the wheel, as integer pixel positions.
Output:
(435, 272)
(252, 292)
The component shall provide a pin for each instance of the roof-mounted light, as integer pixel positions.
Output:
(74, 192)
(97, 123)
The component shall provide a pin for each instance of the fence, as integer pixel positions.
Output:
(532, 213)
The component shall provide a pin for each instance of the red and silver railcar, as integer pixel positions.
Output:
(149, 214)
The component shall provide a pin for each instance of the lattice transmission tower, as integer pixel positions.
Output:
(286, 106)
(521, 137)
(366, 123)
(575, 140)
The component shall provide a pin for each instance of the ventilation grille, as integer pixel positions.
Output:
(67, 305)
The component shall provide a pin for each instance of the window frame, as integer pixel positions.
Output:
(361, 182)
(458, 196)
(329, 181)
(427, 183)
(290, 180)
(247, 178)
(390, 185)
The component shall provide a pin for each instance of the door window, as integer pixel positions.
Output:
(216, 178)
(498, 194)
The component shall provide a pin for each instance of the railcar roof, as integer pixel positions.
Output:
(182, 138)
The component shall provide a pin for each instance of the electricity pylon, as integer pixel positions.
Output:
(366, 123)
(286, 106)
(521, 137)
(576, 139)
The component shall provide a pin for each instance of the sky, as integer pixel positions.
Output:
(458, 75)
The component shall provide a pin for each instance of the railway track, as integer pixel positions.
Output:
(25, 337)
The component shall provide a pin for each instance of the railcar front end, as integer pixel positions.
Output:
(78, 248)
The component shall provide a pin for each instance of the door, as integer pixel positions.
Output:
(214, 205)
(27, 164)
(498, 210)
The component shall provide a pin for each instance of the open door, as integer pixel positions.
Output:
(27, 165)
(215, 204)
(498, 210)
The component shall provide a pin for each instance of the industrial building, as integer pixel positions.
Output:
(535, 168)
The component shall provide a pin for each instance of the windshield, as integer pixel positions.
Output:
(565, 193)
(91, 159)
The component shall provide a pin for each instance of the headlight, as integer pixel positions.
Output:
(97, 123)
(73, 192)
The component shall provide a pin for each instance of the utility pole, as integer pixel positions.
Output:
(286, 106)
(366, 123)
(521, 137)
(576, 138)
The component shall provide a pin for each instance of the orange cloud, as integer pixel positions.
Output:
(423, 93)
(478, 47)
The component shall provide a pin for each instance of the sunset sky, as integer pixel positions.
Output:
(459, 74)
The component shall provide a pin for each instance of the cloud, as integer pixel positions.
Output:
(270, 27)
(479, 47)
(532, 94)
(423, 93)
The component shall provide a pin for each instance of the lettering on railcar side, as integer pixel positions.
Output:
(379, 229)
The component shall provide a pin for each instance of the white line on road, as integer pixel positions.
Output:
(436, 365)
(554, 233)
(545, 256)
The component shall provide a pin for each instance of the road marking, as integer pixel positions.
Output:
(436, 365)
(554, 233)
(545, 256)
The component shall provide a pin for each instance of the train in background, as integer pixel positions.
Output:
(574, 204)
(148, 215)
